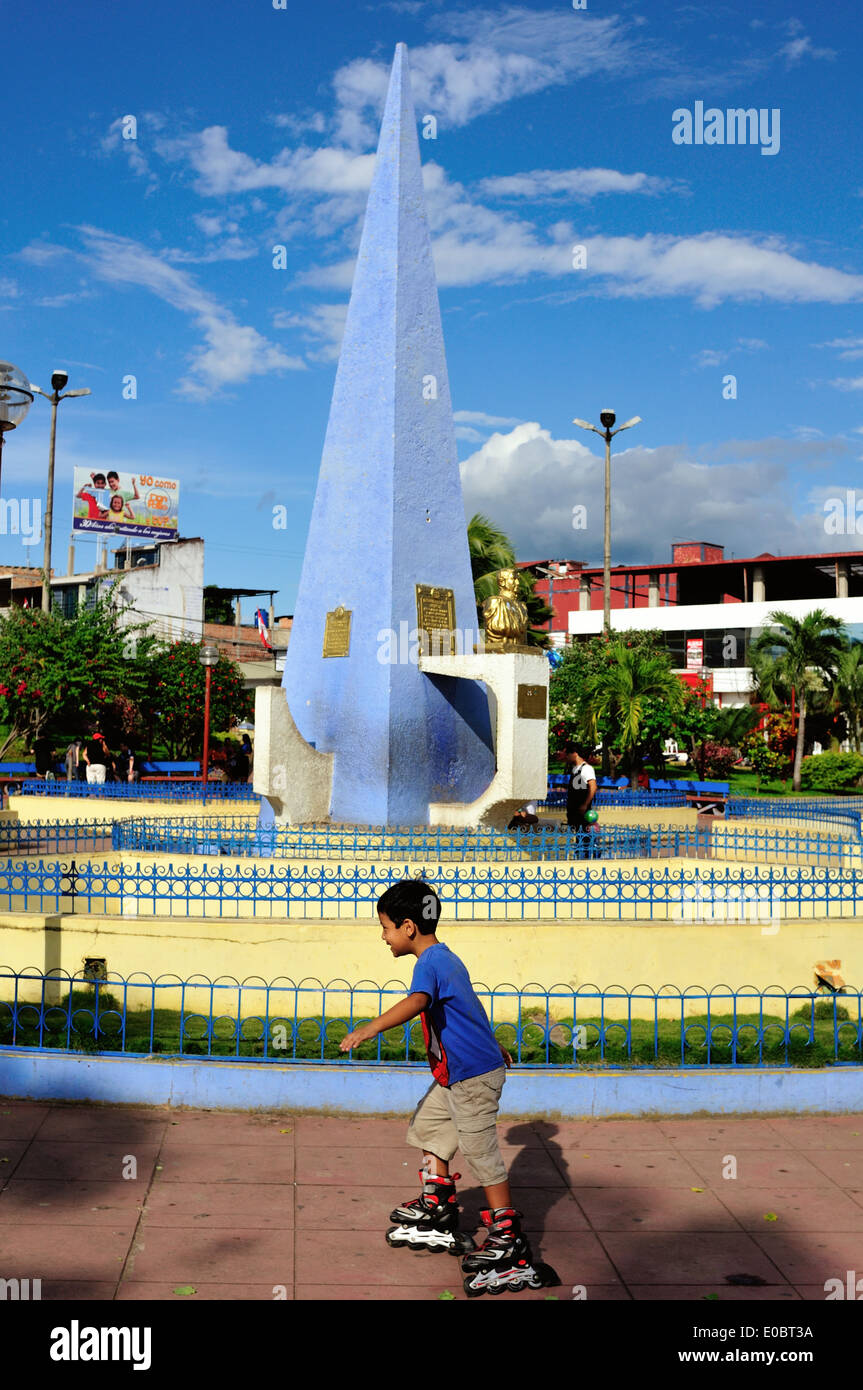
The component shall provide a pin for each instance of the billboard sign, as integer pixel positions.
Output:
(694, 653)
(127, 504)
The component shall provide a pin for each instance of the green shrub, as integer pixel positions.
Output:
(831, 772)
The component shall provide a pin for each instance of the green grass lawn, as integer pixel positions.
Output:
(810, 1045)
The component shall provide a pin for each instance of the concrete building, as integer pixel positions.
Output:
(708, 607)
(162, 581)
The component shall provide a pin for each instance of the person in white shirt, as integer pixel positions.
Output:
(581, 790)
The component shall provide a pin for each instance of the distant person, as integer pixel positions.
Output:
(73, 755)
(43, 754)
(127, 765)
(580, 794)
(238, 763)
(525, 818)
(249, 752)
(96, 757)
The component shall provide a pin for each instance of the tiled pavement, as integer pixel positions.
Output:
(241, 1206)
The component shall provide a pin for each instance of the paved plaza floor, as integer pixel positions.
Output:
(244, 1206)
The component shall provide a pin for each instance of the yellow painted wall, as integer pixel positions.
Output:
(85, 808)
(570, 954)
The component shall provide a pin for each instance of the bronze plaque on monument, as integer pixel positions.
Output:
(531, 702)
(337, 632)
(436, 618)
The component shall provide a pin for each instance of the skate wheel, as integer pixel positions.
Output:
(471, 1291)
(516, 1286)
(496, 1288)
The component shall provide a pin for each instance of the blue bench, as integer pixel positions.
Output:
(710, 798)
(181, 771)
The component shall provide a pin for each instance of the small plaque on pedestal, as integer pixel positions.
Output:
(531, 702)
(337, 632)
(436, 619)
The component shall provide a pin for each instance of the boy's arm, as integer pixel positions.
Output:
(400, 1013)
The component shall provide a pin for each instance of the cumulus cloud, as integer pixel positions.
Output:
(528, 482)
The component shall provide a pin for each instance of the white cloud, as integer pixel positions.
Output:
(323, 324)
(479, 417)
(713, 357)
(114, 142)
(230, 353)
(580, 184)
(221, 170)
(499, 55)
(799, 48)
(850, 347)
(848, 383)
(528, 482)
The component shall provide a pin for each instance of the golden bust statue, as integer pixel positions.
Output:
(504, 615)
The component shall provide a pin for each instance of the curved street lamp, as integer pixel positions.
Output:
(58, 381)
(16, 398)
(607, 419)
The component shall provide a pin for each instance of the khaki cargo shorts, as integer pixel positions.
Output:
(462, 1116)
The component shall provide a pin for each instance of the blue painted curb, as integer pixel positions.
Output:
(365, 1089)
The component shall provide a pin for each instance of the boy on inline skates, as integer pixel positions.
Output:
(459, 1111)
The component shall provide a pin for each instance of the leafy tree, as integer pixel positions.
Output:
(176, 698)
(218, 607)
(58, 673)
(805, 653)
(491, 550)
(620, 692)
(848, 689)
(690, 720)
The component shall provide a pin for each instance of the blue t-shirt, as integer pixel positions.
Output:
(457, 1032)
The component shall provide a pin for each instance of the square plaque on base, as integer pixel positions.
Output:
(531, 702)
(436, 619)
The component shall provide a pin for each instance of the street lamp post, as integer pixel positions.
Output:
(58, 381)
(16, 398)
(607, 419)
(208, 657)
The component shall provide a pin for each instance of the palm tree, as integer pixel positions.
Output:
(809, 651)
(491, 550)
(848, 689)
(618, 694)
(734, 724)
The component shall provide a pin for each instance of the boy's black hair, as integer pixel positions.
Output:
(98, 475)
(411, 899)
(114, 474)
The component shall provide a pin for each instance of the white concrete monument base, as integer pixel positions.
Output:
(521, 744)
(295, 778)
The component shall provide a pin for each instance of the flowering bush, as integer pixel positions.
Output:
(719, 759)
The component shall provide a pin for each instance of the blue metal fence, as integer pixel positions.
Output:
(55, 837)
(166, 790)
(283, 1021)
(487, 892)
(241, 836)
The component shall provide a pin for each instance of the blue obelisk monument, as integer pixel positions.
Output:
(388, 516)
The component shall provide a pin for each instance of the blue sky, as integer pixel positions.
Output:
(256, 127)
